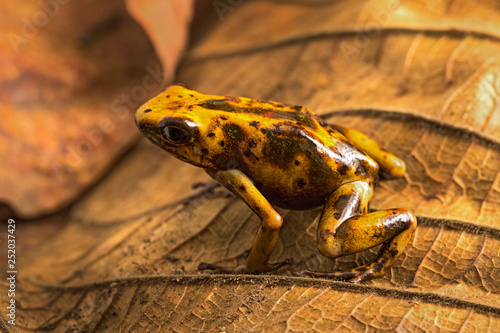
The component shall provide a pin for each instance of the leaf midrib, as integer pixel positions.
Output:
(192, 57)
(276, 280)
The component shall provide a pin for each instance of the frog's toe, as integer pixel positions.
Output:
(366, 273)
(243, 268)
(355, 275)
(344, 275)
(221, 269)
(278, 265)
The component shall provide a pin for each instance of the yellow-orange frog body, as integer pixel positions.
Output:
(269, 153)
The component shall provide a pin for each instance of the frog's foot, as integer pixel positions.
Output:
(390, 251)
(356, 275)
(243, 269)
(345, 228)
(221, 269)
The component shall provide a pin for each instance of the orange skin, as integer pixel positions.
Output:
(269, 153)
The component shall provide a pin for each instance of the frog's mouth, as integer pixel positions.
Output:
(139, 126)
(153, 133)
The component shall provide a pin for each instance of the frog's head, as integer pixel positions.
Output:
(171, 121)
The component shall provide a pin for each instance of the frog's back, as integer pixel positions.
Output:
(294, 158)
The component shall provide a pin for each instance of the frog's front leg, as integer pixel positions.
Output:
(346, 228)
(267, 235)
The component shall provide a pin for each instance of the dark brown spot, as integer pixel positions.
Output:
(301, 183)
(233, 132)
(322, 122)
(365, 169)
(221, 143)
(276, 129)
(337, 215)
(324, 235)
(254, 124)
(217, 104)
(191, 95)
(223, 118)
(204, 151)
(250, 155)
(343, 197)
(342, 202)
(288, 123)
(306, 121)
(168, 96)
(263, 130)
(252, 143)
(361, 171)
(342, 169)
(147, 110)
(180, 96)
(242, 188)
(279, 150)
(232, 164)
(297, 163)
(211, 135)
(296, 107)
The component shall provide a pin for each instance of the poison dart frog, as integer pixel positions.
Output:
(269, 153)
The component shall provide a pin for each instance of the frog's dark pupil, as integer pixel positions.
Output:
(176, 134)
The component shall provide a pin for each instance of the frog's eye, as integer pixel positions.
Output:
(176, 135)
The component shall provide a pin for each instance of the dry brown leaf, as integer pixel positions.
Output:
(166, 23)
(71, 76)
(250, 304)
(127, 259)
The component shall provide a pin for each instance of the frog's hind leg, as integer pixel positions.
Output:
(390, 165)
(346, 228)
